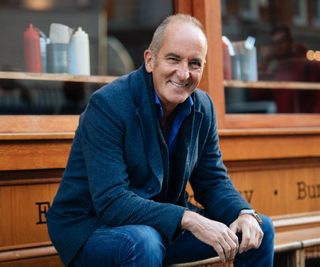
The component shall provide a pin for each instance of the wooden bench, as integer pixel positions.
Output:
(294, 241)
(294, 233)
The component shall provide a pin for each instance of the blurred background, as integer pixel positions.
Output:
(285, 47)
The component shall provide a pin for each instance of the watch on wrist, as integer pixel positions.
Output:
(252, 213)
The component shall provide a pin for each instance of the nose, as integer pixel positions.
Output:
(183, 71)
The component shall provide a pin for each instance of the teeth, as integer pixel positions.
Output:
(179, 84)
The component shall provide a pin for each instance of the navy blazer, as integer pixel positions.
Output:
(119, 162)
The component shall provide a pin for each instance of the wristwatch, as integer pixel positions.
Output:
(253, 213)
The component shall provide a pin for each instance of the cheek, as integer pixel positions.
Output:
(196, 78)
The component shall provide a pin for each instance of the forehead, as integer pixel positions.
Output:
(182, 37)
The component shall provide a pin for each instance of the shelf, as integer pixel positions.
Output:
(55, 77)
(271, 85)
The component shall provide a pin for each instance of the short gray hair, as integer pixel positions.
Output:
(157, 38)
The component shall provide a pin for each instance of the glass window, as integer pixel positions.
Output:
(118, 32)
(277, 57)
(315, 7)
(300, 12)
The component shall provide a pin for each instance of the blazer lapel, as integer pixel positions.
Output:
(141, 90)
(151, 140)
(186, 150)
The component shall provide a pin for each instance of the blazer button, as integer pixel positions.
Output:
(150, 190)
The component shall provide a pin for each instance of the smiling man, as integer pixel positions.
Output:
(122, 199)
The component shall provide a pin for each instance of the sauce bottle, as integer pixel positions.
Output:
(32, 55)
(79, 54)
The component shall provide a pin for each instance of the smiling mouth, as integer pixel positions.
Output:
(180, 85)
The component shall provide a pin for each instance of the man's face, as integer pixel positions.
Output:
(178, 66)
(282, 47)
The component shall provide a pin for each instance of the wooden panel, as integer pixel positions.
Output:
(183, 6)
(36, 154)
(23, 209)
(38, 124)
(284, 187)
(233, 121)
(252, 147)
(208, 12)
(52, 261)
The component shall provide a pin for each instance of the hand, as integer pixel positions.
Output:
(251, 232)
(216, 234)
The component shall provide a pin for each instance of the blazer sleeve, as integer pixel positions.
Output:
(101, 133)
(212, 187)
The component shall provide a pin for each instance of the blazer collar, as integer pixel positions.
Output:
(141, 86)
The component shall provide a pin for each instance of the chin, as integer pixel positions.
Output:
(179, 99)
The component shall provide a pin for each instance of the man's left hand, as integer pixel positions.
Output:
(251, 232)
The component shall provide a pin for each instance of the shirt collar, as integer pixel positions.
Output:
(185, 107)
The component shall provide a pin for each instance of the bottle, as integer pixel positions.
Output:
(43, 50)
(57, 48)
(32, 54)
(79, 54)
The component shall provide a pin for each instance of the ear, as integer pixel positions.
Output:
(148, 60)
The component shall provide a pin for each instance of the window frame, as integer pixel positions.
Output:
(209, 13)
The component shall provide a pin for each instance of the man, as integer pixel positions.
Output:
(122, 199)
(290, 64)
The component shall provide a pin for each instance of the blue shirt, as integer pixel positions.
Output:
(183, 112)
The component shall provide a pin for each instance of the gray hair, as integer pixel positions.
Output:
(157, 38)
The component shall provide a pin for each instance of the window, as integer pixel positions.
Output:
(119, 31)
(281, 57)
(315, 7)
(300, 12)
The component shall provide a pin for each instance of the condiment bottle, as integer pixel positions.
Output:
(32, 55)
(79, 54)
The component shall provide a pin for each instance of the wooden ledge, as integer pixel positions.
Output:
(55, 77)
(36, 136)
(273, 85)
(296, 221)
(27, 253)
(198, 263)
(297, 239)
(269, 132)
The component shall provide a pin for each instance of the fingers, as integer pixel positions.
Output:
(220, 251)
(250, 240)
(259, 237)
(227, 245)
(216, 234)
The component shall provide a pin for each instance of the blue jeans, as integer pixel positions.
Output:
(142, 246)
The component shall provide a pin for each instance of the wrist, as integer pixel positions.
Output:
(253, 213)
(188, 220)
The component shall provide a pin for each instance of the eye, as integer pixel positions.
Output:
(195, 64)
(173, 60)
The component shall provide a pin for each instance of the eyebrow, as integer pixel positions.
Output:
(172, 55)
(177, 56)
